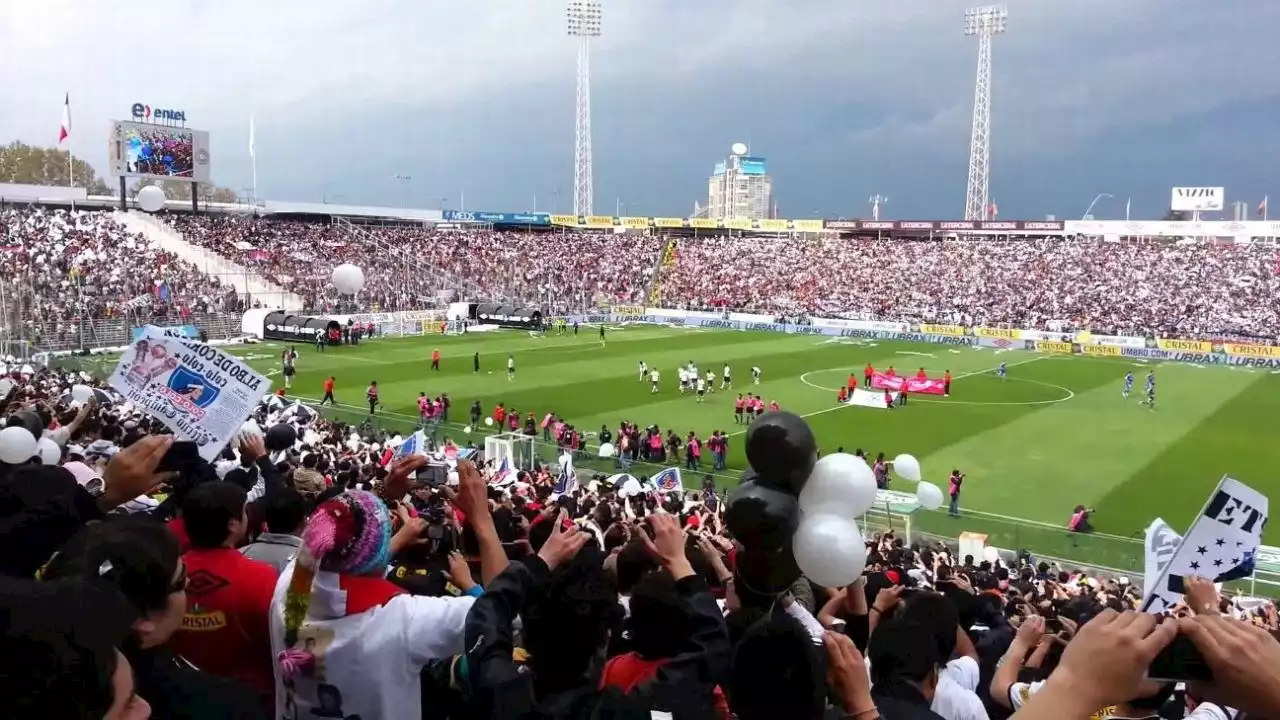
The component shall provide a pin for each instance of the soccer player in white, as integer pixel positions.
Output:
(684, 379)
(711, 381)
(727, 382)
(511, 368)
(644, 370)
(755, 375)
(653, 381)
(702, 388)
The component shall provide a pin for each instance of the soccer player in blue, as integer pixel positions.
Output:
(1001, 371)
(1151, 391)
(1128, 383)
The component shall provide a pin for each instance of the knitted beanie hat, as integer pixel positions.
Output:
(348, 534)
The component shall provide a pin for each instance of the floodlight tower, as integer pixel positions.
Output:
(584, 24)
(984, 22)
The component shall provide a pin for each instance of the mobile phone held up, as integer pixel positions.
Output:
(181, 455)
(1180, 661)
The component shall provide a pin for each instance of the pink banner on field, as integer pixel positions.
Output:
(927, 386)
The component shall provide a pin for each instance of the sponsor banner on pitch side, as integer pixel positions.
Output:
(994, 333)
(1252, 351)
(952, 330)
(1189, 346)
(1052, 346)
(1102, 350)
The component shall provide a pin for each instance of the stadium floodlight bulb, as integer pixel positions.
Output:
(584, 18)
(988, 20)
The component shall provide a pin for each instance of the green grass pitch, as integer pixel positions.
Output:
(1054, 434)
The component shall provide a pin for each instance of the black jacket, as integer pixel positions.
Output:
(500, 690)
(901, 701)
(176, 690)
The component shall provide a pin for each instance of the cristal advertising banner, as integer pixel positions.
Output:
(952, 330)
(1192, 346)
(1050, 346)
(1006, 333)
(1101, 350)
(628, 311)
(895, 383)
(1255, 351)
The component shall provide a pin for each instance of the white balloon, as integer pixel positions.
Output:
(840, 484)
(907, 467)
(81, 393)
(151, 198)
(991, 554)
(606, 450)
(17, 445)
(830, 550)
(631, 487)
(467, 429)
(348, 278)
(929, 495)
(488, 421)
(49, 451)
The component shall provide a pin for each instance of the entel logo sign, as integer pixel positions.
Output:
(144, 112)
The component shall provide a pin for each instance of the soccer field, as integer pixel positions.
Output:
(1055, 433)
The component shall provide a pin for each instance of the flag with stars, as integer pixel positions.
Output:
(1220, 546)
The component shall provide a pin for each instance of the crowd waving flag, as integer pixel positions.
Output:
(1220, 546)
(412, 445)
(503, 475)
(668, 480)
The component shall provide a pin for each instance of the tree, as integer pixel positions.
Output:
(179, 190)
(26, 165)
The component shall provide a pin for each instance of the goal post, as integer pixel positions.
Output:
(515, 448)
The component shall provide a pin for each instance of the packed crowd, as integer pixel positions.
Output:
(61, 266)
(406, 266)
(77, 264)
(1165, 288)
(310, 571)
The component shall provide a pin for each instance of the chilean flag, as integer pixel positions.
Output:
(64, 132)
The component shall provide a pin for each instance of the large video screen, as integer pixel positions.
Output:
(159, 151)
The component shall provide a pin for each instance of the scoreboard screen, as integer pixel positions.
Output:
(159, 151)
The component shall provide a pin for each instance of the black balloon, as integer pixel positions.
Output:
(27, 419)
(761, 517)
(781, 449)
(281, 436)
(763, 574)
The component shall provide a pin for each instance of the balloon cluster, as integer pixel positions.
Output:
(763, 512)
(794, 514)
(22, 441)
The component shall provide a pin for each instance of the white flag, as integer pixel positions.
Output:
(1161, 543)
(1220, 546)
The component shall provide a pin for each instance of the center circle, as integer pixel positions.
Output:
(1066, 393)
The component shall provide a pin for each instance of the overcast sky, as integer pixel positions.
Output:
(844, 98)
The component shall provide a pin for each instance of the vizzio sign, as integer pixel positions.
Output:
(1196, 199)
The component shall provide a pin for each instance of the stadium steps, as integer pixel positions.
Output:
(244, 280)
(667, 260)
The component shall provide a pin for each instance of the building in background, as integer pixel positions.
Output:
(740, 188)
(1239, 211)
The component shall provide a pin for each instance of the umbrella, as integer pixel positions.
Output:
(300, 412)
(620, 479)
(102, 396)
(276, 402)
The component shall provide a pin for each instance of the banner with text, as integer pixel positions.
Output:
(1194, 346)
(1253, 351)
(895, 383)
(1049, 346)
(1006, 333)
(952, 330)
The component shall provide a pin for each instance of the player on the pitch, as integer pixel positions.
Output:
(711, 381)
(1151, 390)
(511, 368)
(653, 381)
(728, 381)
(1128, 384)
(644, 370)
(701, 388)
(683, 373)
(1003, 371)
(755, 375)
(287, 358)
